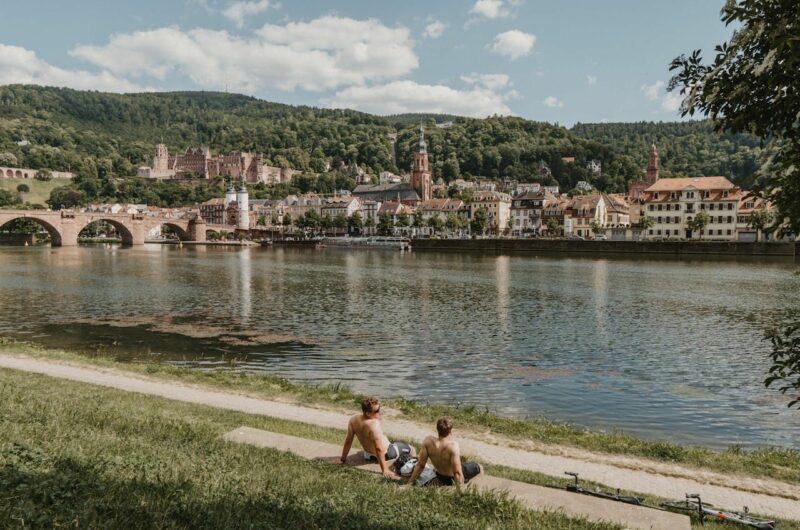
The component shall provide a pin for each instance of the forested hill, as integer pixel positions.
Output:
(100, 135)
(684, 148)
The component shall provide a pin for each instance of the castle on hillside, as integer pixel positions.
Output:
(200, 163)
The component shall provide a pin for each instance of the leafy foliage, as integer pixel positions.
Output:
(689, 148)
(785, 371)
(751, 86)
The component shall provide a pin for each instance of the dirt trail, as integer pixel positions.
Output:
(763, 496)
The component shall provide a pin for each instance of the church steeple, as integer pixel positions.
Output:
(422, 146)
(652, 166)
(420, 172)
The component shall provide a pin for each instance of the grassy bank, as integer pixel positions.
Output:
(39, 190)
(782, 464)
(80, 456)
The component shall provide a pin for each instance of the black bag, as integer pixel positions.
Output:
(401, 460)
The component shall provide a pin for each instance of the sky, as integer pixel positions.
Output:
(562, 61)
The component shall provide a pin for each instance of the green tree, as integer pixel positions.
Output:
(355, 223)
(274, 220)
(67, 197)
(385, 225)
(340, 221)
(645, 222)
(370, 222)
(596, 227)
(760, 219)
(404, 220)
(552, 226)
(480, 221)
(750, 86)
(23, 188)
(436, 223)
(699, 222)
(419, 219)
(453, 222)
(7, 198)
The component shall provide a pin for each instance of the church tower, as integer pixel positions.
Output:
(652, 166)
(420, 171)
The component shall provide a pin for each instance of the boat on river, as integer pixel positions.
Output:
(390, 242)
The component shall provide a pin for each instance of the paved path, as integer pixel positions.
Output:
(672, 484)
(536, 498)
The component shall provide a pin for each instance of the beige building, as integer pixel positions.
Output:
(498, 209)
(672, 203)
(584, 210)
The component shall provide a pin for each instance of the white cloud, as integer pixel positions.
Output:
(489, 8)
(434, 30)
(553, 102)
(668, 101)
(490, 81)
(20, 65)
(408, 96)
(591, 79)
(326, 53)
(238, 11)
(514, 44)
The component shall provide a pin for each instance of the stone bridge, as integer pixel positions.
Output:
(64, 226)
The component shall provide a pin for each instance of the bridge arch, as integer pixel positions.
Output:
(179, 231)
(55, 235)
(124, 232)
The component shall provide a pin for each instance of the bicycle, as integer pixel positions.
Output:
(575, 487)
(693, 504)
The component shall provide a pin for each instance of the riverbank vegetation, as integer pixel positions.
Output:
(772, 462)
(105, 458)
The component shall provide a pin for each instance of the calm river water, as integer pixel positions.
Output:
(659, 348)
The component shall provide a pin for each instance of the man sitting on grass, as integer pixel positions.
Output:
(445, 455)
(367, 428)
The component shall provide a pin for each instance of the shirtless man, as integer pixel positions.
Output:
(445, 455)
(367, 428)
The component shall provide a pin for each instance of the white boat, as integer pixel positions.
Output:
(400, 243)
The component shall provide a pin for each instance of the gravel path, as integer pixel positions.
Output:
(763, 496)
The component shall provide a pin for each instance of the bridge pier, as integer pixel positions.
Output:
(197, 230)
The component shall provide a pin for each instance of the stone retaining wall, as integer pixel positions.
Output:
(676, 248)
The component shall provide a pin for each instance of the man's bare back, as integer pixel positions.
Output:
(445, 455)
(368, 431)
(367, 428)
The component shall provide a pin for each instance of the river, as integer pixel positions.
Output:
(659, 348)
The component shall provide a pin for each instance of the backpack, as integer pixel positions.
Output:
(402, 460)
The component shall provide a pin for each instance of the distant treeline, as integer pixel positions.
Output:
(104, 137)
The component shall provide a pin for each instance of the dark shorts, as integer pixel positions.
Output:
(470, 470)
(394, 450)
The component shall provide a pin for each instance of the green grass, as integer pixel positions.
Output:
(778, 463)
(80, 456)
(40, 190)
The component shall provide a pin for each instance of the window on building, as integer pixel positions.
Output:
(660, 207)
(677, 220)
(659, 219)
(677, 207)
(702, 206)
(652, 207)
(655, 195)
(706, 194)
(651, 231)
(730, 206)
(724, 193)
(658, 232)
(730, 219)
(729, 232)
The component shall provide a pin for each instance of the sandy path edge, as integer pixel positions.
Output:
(764, 496)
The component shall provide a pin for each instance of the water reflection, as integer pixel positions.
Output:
(661, 348)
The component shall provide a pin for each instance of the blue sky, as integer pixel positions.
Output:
(558, 61)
